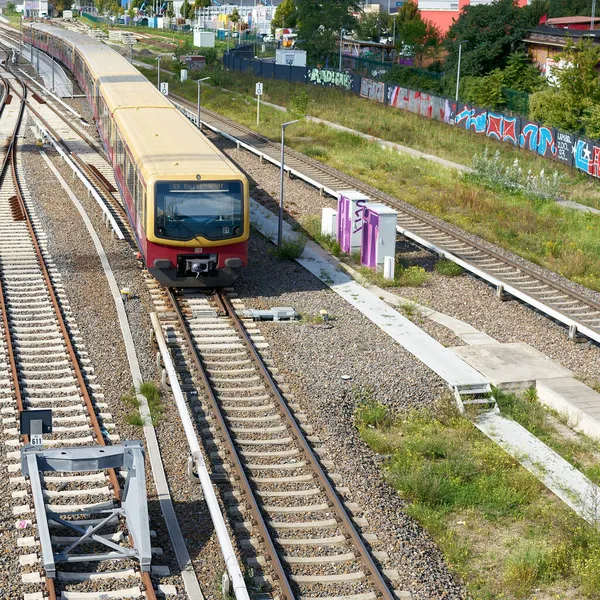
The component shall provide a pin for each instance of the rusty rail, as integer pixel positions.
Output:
(99, 437)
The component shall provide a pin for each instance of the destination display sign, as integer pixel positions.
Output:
(194, 186)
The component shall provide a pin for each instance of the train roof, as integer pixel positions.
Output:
(124, 90)
(165, 144)
(73, 37)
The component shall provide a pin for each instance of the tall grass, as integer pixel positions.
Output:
(498, 527)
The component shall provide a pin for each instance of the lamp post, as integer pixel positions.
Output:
(20, 34)
(593, 14)
(199, 81)
(342, 31)
(458, 72)
(280, 227)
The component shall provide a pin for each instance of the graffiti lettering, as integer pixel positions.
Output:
(330, 77)
(358, 215)
(472, 120)
(502, 128)
(583, 156)
(529, 137)
(546, 145)
(564, 147)
(374, 90)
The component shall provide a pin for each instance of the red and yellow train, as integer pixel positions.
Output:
(187, 203)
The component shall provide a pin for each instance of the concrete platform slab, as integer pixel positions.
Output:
(511, 367)
(573, 399)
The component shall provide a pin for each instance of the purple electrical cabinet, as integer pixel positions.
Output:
(378, 234)
(350, 219)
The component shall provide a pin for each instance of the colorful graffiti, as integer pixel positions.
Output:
(329, 77)
(426, 105)
(472, 118)
(374, 90)
(502, 128)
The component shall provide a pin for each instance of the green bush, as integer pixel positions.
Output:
(290, 248)
(412, 277)
(373, 414)
(448, 268)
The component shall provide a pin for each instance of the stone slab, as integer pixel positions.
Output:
(511, 367)
(577, 402)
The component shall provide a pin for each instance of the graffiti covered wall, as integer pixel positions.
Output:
(329, 77)
(577, 152)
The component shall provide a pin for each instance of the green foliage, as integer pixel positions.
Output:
(152, 393)
(201, 4)
(411, 276)
(234, 17)
(526, 567)
(484, 91)
(492, 31)
(520, 75)
(491, 170)
(372, 414)
(285, 16)
(11, 7)
(319, 36)
(448, 268)
(299, 105)
(186, 9)
(572, 105)
(374, 26)
(210, 54)
(415, 36)
(135, 420)
(415, 79)
(290, 248)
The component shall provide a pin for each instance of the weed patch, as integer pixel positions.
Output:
(500, 530)
(152, 393)
(448, 268)
(290, 248)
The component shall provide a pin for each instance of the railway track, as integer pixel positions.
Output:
(298, 534)
(559, 301)
(44, 365)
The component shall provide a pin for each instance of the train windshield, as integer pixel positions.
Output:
(187, 209)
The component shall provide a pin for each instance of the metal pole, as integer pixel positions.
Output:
(341, 41)
(53, 72)
(158, 61)
(31, 47)
(20, 35)
(593, 14)
(394, 34)
(458, 72)
(258, 110)
(280, 226)
(199, 121)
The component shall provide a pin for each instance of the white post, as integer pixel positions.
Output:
(388, 267)
(258, 110)
(593, 14)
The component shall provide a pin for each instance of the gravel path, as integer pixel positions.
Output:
(464, 297)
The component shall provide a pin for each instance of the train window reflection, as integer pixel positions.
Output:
(211, 209)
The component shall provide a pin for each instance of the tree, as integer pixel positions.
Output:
(573, 104)
(285, 15)
(198, 4)
(320, 22)
(492, 32)
(373, 26)
(185, 9)
(234, 17)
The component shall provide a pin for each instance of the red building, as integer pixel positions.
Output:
(442, 13)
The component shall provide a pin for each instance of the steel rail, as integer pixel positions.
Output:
(337, 181)
(332, 495)
(225, 306)
(280, 574)
(115, 486)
